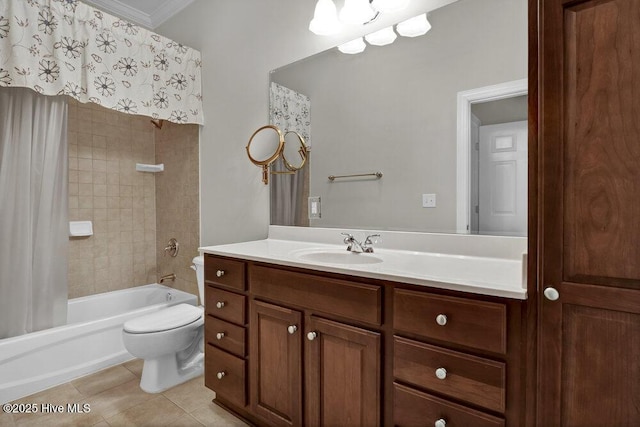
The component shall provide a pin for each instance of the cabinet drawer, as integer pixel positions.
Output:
(224, 272)
(414, 408)
(467, 322)
(231, 386)
(225, 305)
(225, 335)
(473, 379)
(351, 300)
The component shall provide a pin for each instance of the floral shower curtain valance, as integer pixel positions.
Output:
(67, 47)
(290, 110)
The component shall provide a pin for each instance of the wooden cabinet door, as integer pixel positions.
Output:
(589, 204)
(276, 364)
(342, 375)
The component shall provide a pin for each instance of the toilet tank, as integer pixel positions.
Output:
(198, 266)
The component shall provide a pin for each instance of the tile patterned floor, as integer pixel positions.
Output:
(116, 400)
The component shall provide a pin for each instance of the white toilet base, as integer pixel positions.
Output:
(162, 373)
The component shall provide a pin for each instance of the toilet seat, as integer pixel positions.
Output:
(163, 320)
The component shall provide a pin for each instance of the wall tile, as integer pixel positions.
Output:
(174, 146)
(85, 177)
(104, 187)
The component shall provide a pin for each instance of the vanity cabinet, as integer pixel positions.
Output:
(276, 364)
(341, 365)
(341, 362)
(456, 360)
(225, 329)
(342, 372)
(325, 349)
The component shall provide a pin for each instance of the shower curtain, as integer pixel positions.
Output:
(34, 226)
(290, 110)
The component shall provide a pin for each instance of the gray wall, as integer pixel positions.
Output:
(241, 41)
(393, 109)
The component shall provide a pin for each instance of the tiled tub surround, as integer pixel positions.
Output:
(485, 265)
(104, 146)
(177, 202)
(104, 187)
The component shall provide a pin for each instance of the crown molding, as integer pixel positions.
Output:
(167, 10)
(163, 12)
(123, 10)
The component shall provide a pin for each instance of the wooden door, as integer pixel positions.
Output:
(342, 375)
(589, 228)
(276, 364)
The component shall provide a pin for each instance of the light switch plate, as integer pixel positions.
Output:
(315, 210)
(428, 200)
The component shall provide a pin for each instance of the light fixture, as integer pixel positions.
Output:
(354, 46)
(356, 12)
(385, 6)
(325, 19)
(414, 27)
(382, 37)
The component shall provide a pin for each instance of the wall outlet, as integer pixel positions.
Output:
(314, 207)
(428, 200)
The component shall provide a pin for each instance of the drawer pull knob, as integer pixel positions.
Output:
(312, 336)
(441, 319)
(292, 329)
(221, 374)
(441, 373)
(551, 294)
(220, 273)
(220, 335)
(220, 304)
(440, 423)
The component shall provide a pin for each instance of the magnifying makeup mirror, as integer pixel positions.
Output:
(268, 143)
(264, 147)
(294, 152)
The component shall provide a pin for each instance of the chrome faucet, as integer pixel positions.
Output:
(357, 247)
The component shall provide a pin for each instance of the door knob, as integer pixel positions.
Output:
(220, 335)
(312, 336)
(221, 374)
(440, 423)
(551, 294)
(220, 273)
(292, 329)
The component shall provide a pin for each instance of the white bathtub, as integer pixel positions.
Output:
(91, 340)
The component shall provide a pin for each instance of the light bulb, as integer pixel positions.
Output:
(414, 27)
(385, 6)
(325, 20)
(382, 37)
(356, 12)
(354, 46)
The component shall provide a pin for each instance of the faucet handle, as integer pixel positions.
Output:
(348, 237)
(369, 241)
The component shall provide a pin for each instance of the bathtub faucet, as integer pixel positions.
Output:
(170, 276)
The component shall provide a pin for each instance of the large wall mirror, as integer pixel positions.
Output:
(395, 109)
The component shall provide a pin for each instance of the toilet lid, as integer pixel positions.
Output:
(164, 319)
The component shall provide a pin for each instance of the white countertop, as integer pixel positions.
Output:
(502, 277)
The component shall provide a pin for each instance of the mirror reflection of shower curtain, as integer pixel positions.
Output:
(34, 227)
(290, 110)
(288, 196)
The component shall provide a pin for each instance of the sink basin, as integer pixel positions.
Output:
(328, 256)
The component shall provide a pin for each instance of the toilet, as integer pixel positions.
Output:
(170, 341)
